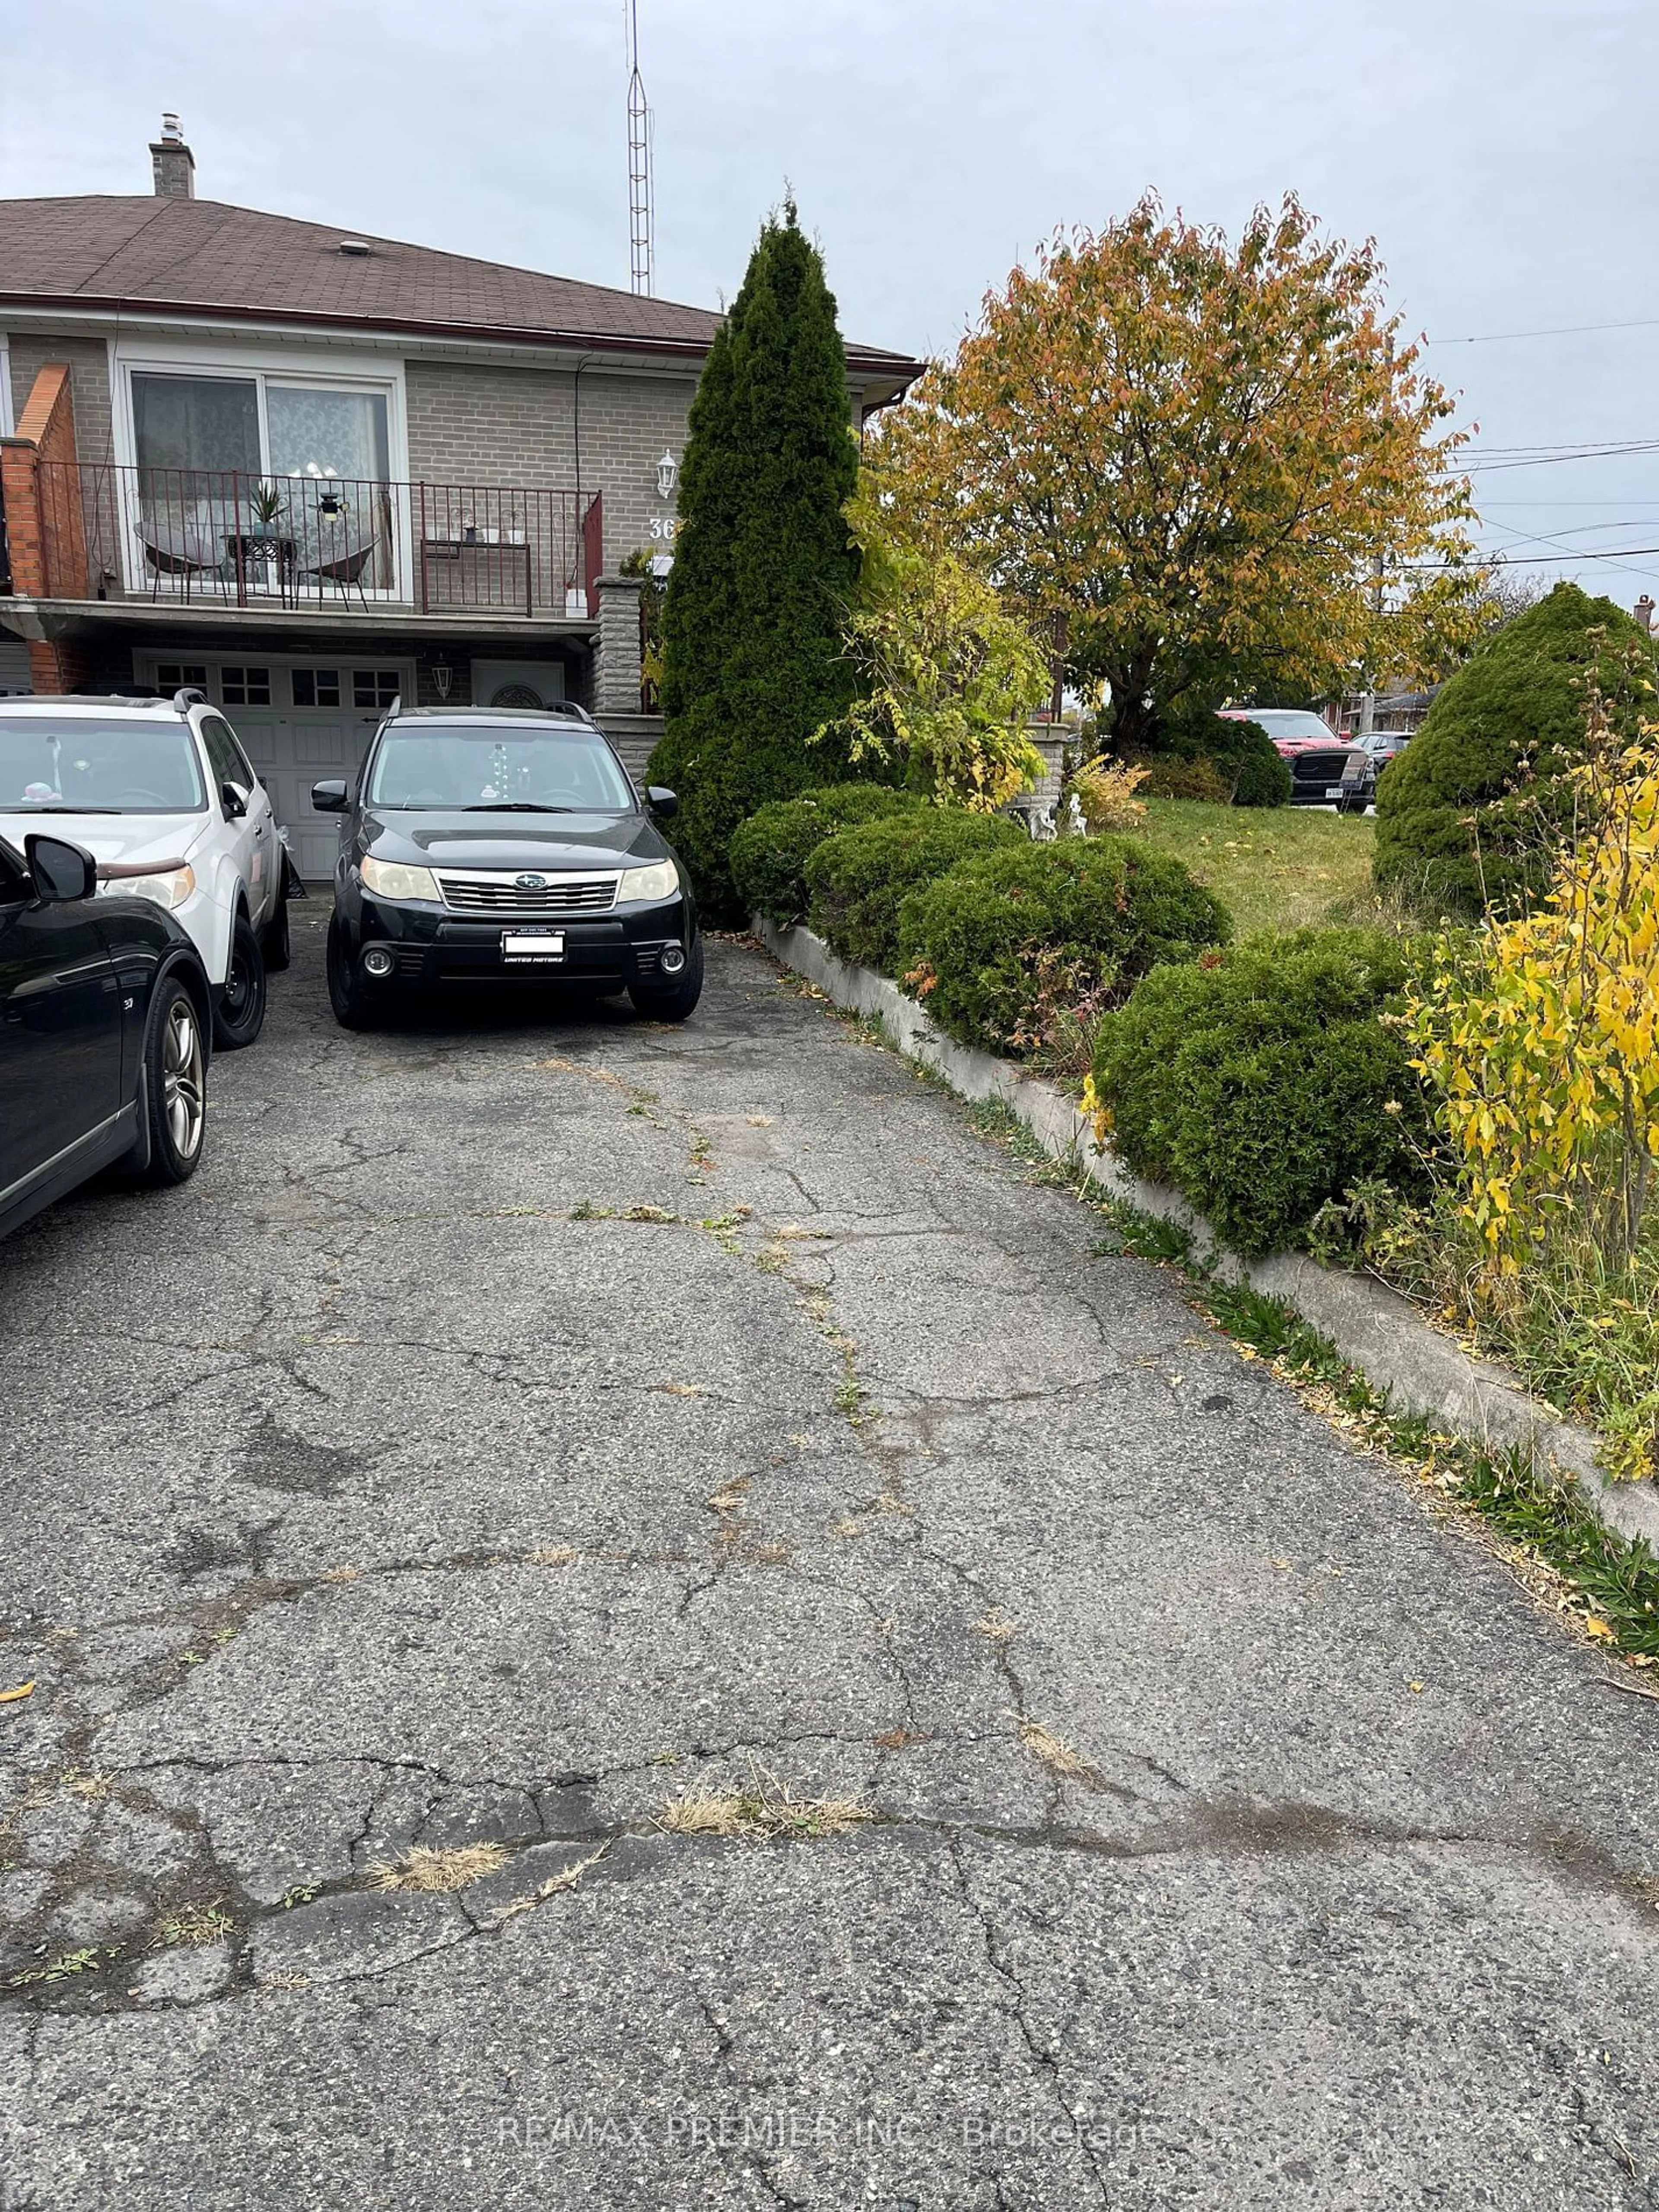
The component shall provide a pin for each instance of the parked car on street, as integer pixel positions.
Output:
(1383, 746)
(1324, 770)
(104, 1030)
(160, 793)
(502, 845)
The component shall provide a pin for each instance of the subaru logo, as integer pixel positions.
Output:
(530, 883)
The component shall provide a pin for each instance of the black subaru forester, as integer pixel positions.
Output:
(503, 845)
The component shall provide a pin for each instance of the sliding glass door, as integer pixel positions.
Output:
(262, 480)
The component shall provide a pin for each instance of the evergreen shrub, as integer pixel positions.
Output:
(770, 850)
(858, 879)
(1471, 814)
(1266, 1081)
(1005, 950)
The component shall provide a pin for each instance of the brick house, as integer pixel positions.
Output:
(312, 470)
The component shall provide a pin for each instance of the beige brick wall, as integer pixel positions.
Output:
(88, 362)
(471, 424)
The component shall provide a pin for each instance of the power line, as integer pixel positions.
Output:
(1560, 330)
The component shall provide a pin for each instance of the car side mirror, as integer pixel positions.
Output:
(61, 870)
(662, 801)
(329, 796)
(234, 801)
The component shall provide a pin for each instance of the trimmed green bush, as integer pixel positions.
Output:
(1264, 1082)
(1009, 946)
(1260, 773)
(858, 879)
(770, 850)
(1469, 815)
(764, 564)
(1203, 755)
(1168, 777)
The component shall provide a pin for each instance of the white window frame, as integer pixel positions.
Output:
(147, 659)
(307, 365)
(7, 420)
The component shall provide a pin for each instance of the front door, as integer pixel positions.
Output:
(60, 1026)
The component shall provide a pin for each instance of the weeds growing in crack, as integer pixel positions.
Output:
(193, 1923)
(555, 1555)
(59, 1969)
(761, 1810)
(431, 1873)
(995, 1627)
(1059, 1758)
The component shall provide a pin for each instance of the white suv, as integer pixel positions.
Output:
(161, 794)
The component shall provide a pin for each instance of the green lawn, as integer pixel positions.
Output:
(1275, 868)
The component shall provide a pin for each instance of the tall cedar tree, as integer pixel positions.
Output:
(764, 565)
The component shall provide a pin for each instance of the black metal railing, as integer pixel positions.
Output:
(109, 530)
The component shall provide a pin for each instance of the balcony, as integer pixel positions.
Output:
(219, 540)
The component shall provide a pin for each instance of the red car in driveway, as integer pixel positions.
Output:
(1324, 770)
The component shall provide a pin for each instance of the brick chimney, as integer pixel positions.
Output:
(1643, 612)
(173, 163)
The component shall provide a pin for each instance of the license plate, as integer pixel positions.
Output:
(533, 944)
(1336, 791)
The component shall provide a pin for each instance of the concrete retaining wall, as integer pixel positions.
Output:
(1374, 1329)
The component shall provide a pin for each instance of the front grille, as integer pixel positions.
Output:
(1319, 768)
(494, 893)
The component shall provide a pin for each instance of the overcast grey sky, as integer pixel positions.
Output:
(1502, 152)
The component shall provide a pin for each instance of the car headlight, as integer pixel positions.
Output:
(169, 887)
(660, 880)
(393, 879)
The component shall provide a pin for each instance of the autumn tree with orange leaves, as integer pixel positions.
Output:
(1196, 454)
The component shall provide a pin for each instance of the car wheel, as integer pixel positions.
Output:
(172, 1092)
(672, 1002)
(240, 1013)
(275, 945)
(346, 995)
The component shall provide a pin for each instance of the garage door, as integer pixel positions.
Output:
(300, 720)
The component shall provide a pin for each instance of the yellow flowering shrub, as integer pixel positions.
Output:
(1540, 1035)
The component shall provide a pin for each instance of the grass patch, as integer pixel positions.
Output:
(1579, 1330)
(760, 1810)
(430, 1873)
(1273, 868)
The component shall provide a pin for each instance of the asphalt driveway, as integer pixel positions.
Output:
(523, 1423)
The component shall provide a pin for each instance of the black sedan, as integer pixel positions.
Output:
(495, 845)
(104, 1022)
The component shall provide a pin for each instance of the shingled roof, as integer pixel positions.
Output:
(203, 257)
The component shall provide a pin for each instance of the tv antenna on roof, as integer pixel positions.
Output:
(641, 211)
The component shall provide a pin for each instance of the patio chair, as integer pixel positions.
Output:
(341, 560)
(181, 548)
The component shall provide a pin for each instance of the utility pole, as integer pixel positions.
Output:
(642, 209)
(1367, 698)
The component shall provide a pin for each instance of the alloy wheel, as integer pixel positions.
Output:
(183, 1086)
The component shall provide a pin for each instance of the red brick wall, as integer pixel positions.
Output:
(44, 527)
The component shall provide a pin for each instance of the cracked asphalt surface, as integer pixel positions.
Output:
(525, 1417)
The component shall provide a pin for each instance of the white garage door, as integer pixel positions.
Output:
(300, 719)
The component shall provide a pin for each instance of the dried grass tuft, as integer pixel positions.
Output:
(429, 1872)
(761, 1810)
(1059, 1758)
